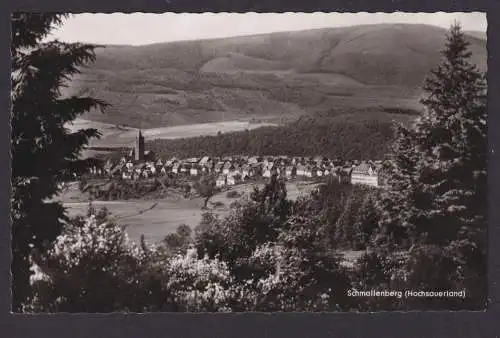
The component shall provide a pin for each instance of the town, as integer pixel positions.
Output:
(232, 170)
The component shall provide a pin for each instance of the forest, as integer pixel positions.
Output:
(354, 136)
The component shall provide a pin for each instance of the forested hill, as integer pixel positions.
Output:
(279, 75)
(361, 135)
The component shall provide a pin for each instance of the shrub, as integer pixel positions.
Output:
(199, 284)
(93, 267)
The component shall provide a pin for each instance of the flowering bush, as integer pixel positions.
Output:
(199, 284)
(92, 267)
(292, 279)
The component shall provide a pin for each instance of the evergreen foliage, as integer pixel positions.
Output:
(437, 192)
(397, 200)
(43, 152)
(359, 135)
(452, 143)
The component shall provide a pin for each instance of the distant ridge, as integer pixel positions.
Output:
(477, 34)
(267, 76)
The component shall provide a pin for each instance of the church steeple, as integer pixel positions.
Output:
(139, 147)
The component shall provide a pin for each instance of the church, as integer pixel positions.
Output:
(139, 152)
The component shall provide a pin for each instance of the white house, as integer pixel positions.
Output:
(301, 170)
(194, 171)
(205, 160)
(310, 172)
(365, 174)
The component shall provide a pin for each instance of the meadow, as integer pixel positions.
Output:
(156, 218)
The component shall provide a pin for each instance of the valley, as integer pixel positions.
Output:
(333, 92)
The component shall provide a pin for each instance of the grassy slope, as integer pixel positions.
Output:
(265, 76)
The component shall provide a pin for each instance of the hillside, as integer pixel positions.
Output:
(271, 76)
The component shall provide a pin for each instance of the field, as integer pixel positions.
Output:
(154, 223)
(156, 218)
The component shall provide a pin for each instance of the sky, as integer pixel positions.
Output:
(147, 28)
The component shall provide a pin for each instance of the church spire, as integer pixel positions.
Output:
(139, 147)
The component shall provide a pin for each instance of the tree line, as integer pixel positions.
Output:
(358, 136)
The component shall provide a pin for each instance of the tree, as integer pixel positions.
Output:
(308, 276)
(257, 222)
(93, 252)
(396, 200)
(206, 188)
(44, 153)
(444, 198)
(365, 221)
(452, 143)
(344, 231)
(180, 240)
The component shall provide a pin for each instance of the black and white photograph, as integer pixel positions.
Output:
(248, 162)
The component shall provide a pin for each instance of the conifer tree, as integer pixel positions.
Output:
(437, 188)
(44, 153)
(396, 202)
(451, 140)
(451, 172)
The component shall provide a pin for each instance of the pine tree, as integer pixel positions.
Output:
(452, 144)
(437, 188)
(44, 153)
(397, 197)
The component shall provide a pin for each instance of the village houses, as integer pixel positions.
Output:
(231, 170)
